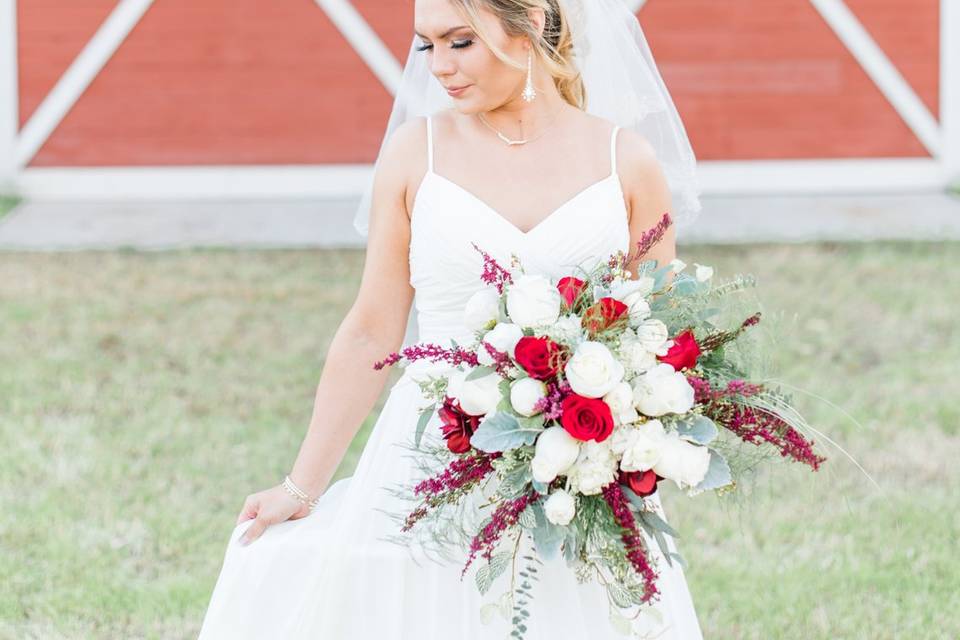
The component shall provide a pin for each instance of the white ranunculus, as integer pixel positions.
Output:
(525, 393)
(503, 337)
(533, 301)
(645, 447)
(633, 293)
(683, 462)
(677, 265)
(480, 395)
(662, 390)
(654, 336)
(596, 467)
(703, 273)
(620, 401)
(554, 452)
(481, 309)
(593, 370)
(560, 507)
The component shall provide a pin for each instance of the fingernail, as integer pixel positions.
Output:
(244, 541)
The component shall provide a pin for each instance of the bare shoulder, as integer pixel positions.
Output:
(641, 174)
(402, 161)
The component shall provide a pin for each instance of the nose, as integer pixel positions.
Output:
(441, 63)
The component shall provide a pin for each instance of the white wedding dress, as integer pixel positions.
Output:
(330, 575)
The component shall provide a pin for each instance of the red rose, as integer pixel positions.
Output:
(683, 353)
(642, 483)
(457, 426)
(540, 357)
(586, 418)
(603, 314)
(569, 288)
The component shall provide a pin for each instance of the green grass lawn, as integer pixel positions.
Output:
(145, 394)
(6, 204)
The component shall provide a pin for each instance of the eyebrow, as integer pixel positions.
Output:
(447, 32)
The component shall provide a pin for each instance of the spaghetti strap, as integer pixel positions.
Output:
(429, 145)
(613, 150)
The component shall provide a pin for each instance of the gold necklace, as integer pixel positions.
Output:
(525, 140)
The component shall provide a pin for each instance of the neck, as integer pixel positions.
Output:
(518, 118)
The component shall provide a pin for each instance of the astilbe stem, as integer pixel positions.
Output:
(716, 340)
(461, 475)
(651, 237)
(636, 550)
(493, 273)
(749, 423)
(454, 356)
(501, 359)
(505, 516)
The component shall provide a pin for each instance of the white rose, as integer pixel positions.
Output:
(480, 395)
(633, 293)
(533, 301)
(593, 370)
(560, 507)
(662, 390)
(645, 447)
(554, 452)
(703, 273)
(635, 357)
(525, 393)
(683, 462)
(596, 467)
(677, 265)
(620, 401)
(654, 336)
(503, 337)
(481, 309)
(621, 437)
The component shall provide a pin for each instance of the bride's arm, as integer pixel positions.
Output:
(648, 197)
(372, 328)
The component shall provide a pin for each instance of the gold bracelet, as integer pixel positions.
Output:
(299, 493)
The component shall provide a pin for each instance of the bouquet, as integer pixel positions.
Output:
(574, 401)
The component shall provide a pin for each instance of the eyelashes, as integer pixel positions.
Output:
(457, 44)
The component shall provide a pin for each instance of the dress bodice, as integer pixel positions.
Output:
(446, 218)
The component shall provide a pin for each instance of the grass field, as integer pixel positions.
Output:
(6, 204)
(143, 395)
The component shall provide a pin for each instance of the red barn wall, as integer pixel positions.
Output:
(218, 82)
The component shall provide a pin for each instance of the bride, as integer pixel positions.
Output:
(539, 128)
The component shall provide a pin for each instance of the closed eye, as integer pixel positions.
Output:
(456, 44)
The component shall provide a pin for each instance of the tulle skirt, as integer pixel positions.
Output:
(332, 575)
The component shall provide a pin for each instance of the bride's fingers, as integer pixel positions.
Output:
(249, 509)
(253, 532)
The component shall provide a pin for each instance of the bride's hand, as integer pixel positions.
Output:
(267, 508)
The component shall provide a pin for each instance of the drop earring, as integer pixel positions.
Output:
(529, 93)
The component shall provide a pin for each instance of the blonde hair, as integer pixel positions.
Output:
(554, 47)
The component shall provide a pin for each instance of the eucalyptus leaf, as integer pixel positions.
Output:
(501, 431)
(697, 428)
(541, 487)
(619, 595)
(422, 423)
(676, 556)
(685, 285)
(658, 523)
(718, 474)
(479, 372)
(662, 543)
